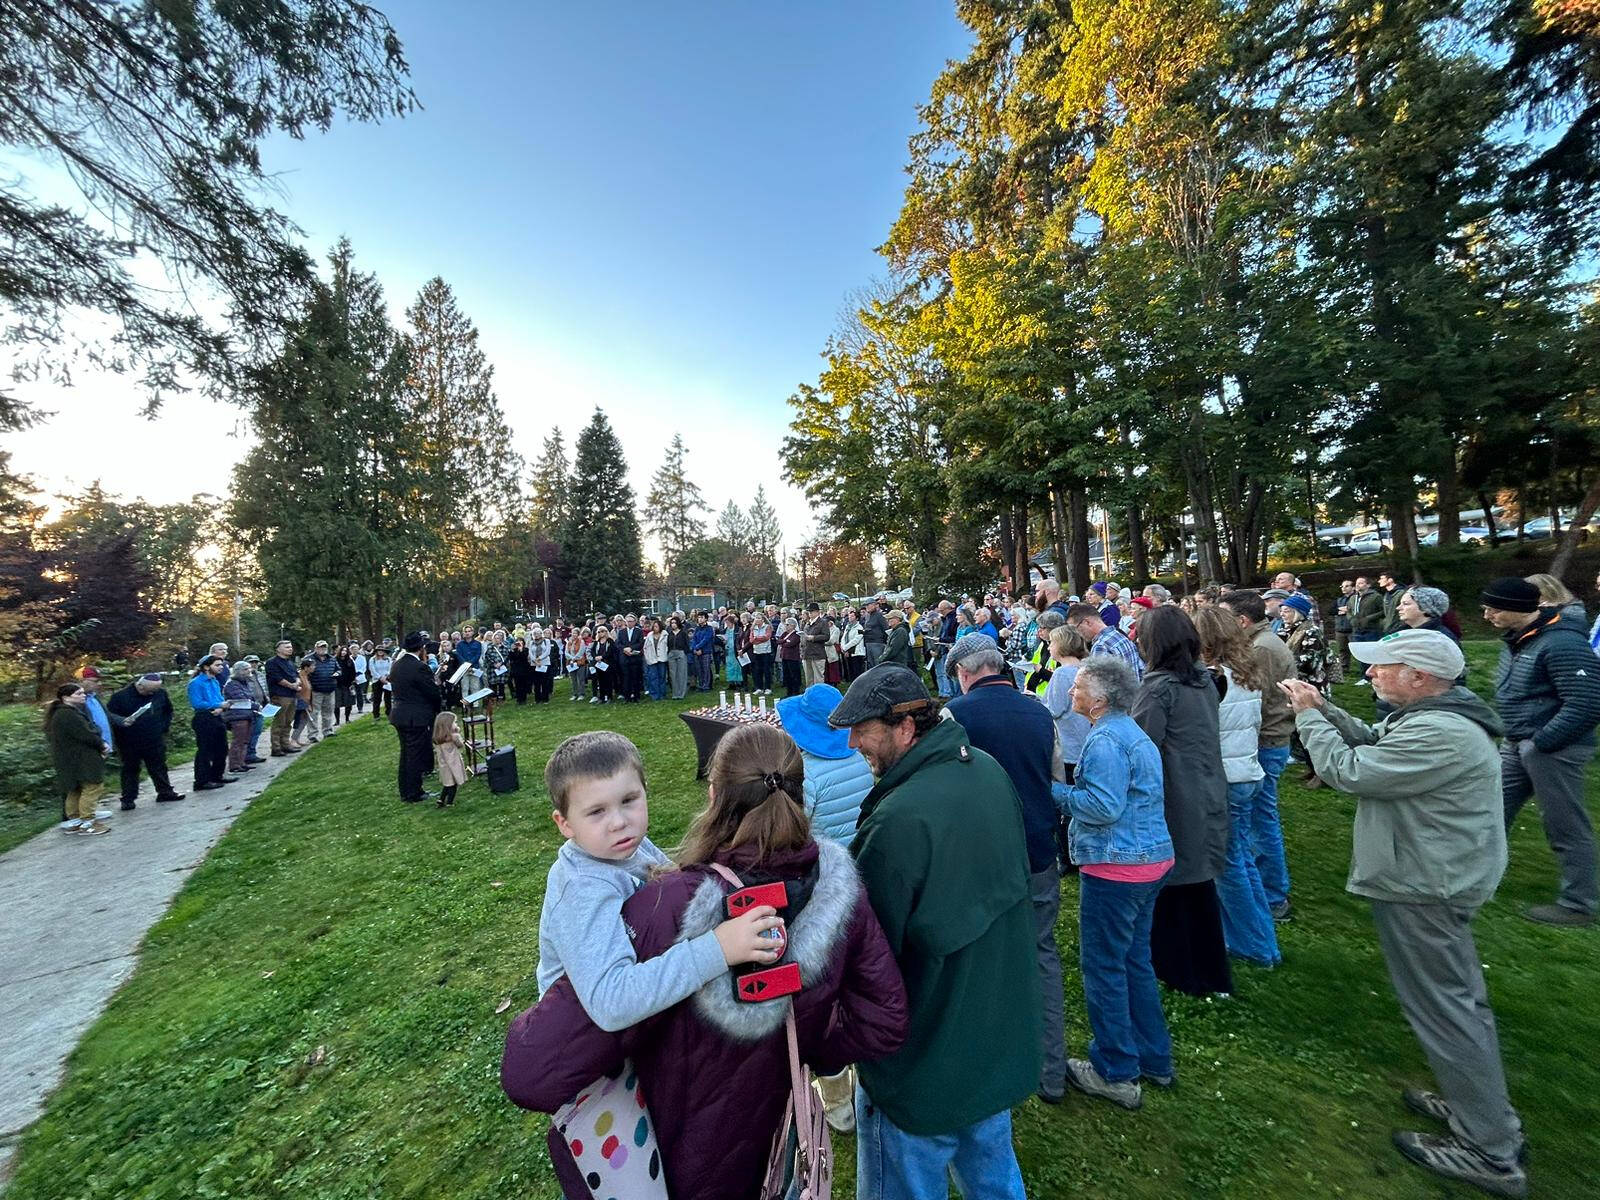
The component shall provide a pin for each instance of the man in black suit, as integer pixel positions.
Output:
(143, 743)
(416, 702)
(630, 648)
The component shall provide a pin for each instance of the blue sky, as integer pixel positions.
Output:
(660, 209)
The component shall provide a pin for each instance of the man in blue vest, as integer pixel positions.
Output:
(1017, 732)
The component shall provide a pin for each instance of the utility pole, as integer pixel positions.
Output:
(238, 606)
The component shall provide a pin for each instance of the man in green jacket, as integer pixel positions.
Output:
(1366, 612)
(897, 649)
(1430, 849)
(942, 853)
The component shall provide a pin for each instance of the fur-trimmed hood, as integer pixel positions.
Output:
(814, 934)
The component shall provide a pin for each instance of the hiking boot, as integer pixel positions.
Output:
(1281, 911)
(128, 806)
(1161, 1081)
(1557, 914)
(1450, 1157)
(1082, 1075)
(1431, 1104)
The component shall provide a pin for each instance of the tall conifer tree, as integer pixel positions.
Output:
(600, 545)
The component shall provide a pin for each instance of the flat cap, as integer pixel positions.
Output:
(889, 691)
(966, 647)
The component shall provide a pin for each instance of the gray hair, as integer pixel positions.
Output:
(240, 670)
(1432, 601)
(1109, 678)
(1050, 619)
(1154, 591)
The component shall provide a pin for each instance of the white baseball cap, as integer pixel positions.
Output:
(1422, 649)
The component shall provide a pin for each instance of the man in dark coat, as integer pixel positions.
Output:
(1547, 688)
(944, 858)
(1019, 734)
(630, 648)
(416, 703)
(142, 742)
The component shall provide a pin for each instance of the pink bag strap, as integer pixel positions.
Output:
(726, 874)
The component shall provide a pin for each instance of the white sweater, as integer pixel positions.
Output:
(1239, 724)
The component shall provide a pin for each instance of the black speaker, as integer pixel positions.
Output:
(503, 770)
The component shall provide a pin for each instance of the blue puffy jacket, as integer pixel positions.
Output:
(835, 788)
(324, 673)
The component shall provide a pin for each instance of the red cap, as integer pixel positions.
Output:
(1144, 602)
(88, 673)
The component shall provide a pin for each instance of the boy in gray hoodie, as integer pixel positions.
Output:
(596, 782)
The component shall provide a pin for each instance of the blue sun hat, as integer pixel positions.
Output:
(805, 719)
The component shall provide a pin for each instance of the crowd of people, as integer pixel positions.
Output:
(1137, 742)
(937, 775)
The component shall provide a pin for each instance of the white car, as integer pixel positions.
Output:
(1368, 543)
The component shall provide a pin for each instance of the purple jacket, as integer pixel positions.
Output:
(714, 1071)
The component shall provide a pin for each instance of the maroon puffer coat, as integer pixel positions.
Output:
(714, 1070)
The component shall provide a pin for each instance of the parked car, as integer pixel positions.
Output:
(1471, 535)
(1368, 543)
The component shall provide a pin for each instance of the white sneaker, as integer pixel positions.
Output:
(102, 814)
(842, 1118)
(70, 824)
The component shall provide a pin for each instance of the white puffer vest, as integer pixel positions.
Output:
(1239, 723)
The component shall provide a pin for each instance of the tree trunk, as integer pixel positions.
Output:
(1008, 551)
(1403, 534)
(1488, 516)
(1580, 520)
(1019, 521)
(1138, 552)
(1058, 529)
(1450, 493)
(1078, 514)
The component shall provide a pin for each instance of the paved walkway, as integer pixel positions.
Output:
(76, 911)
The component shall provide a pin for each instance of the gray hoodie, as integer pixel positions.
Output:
(1430, 824)
(582, 936)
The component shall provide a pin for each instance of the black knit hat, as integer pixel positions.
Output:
(1511, 594)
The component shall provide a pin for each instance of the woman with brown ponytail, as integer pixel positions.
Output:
(714, 1069)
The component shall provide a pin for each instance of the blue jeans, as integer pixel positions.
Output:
(1266, 831)
(1246, 920)
(655, 680)
(255, 733)
(942, 678)
(1119, 985)
(892, 1164)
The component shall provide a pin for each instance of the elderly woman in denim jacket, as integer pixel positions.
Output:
(1118, 837)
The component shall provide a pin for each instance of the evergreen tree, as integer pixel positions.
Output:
(335, 501)
(762, 530)
(155, 114)
(467, 500)
(672, 507)
(732, 526)
(547, 492)
(600, 544)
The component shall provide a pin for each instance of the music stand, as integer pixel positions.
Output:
(479, 729)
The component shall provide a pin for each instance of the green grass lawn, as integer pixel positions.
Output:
(321, 1013)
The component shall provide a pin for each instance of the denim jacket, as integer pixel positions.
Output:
(1117, 800)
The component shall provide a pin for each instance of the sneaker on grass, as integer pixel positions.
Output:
(1082, 1075)
(1431, 1104)
(1448, 1156)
